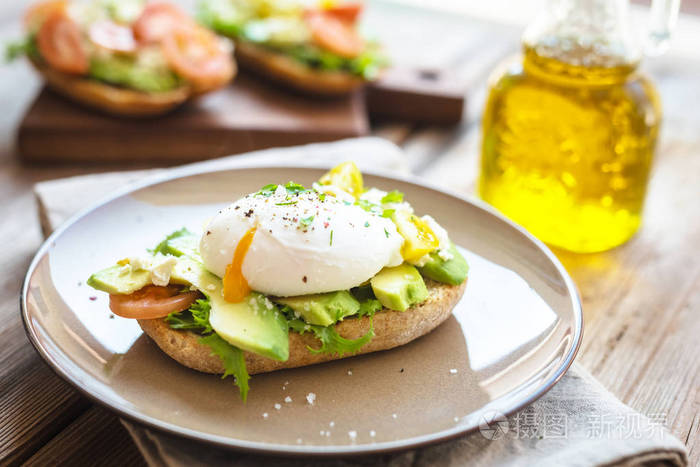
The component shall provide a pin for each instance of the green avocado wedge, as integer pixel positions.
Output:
(399, 288)
(323, 309)
(453, 271)
(124, 71)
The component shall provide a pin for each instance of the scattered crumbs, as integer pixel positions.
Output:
(401, 370)
(265, 415)
(331, 424)
(93, 298)
(311, 398)
(287, 399)
(304, 279)
(286, 383)
(456, 419)
(79, 284)
(453, 371)
(111, 316)
(352, 434)
(372, 433)
(208, 232)
(322, 432)
(328, 434)
(393, 415)
(278, 406)
(298, 440)
(349, 372)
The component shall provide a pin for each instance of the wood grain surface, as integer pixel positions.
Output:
(641, 301)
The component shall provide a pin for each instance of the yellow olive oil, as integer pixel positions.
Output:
(568, 140)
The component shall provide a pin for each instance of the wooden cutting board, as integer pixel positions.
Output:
(246, 116)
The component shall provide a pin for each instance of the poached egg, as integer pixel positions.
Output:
(303, 242)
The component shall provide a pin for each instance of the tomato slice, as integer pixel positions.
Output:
(37, 13)
(152, 302)
(157, 20)
(60, 43)
(199, 56)
(333, 34)
(347, 12)
(112, 36)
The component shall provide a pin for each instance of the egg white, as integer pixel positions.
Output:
(304, 243)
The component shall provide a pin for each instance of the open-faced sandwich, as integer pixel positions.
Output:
(124, 57)
(291, 276)
(311, 46)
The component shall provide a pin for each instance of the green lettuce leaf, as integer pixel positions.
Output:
(232, 359)
(369, 307)
(181, 242)
(22, 47)
(331, 341)
(195, 319)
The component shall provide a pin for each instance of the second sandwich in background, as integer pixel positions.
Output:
(312, 47)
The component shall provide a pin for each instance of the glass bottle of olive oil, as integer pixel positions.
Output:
(570, 128)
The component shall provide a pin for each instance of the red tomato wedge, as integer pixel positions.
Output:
(197, 55)
(333, 34)
(152, 302)
(112, 36)
(37, 13)
(157, 20)
(60, 43)
(347, 12)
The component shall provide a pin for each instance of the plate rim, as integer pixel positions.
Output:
(263, 448)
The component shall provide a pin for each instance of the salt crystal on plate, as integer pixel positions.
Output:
(311, 398)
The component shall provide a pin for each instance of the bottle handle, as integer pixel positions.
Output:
(662, 21)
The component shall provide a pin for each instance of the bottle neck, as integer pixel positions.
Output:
(584, 34)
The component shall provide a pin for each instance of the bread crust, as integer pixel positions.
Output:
(112, 99)
(391, 329)
(294, 74)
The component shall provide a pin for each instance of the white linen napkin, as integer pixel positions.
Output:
(577, 423)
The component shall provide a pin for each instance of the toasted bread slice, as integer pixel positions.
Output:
(391, 329)
(294, 74)
(112, 99)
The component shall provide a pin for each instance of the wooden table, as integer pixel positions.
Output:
(641, 301)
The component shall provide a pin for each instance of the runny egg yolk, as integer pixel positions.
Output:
(236, 287)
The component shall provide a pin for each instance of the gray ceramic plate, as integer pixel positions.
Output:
(512, 336)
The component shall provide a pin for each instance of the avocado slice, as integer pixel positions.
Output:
(400, 287)
(453, 271)
(323, 309)
(255, 324)
(119, 280)
(124, 71)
